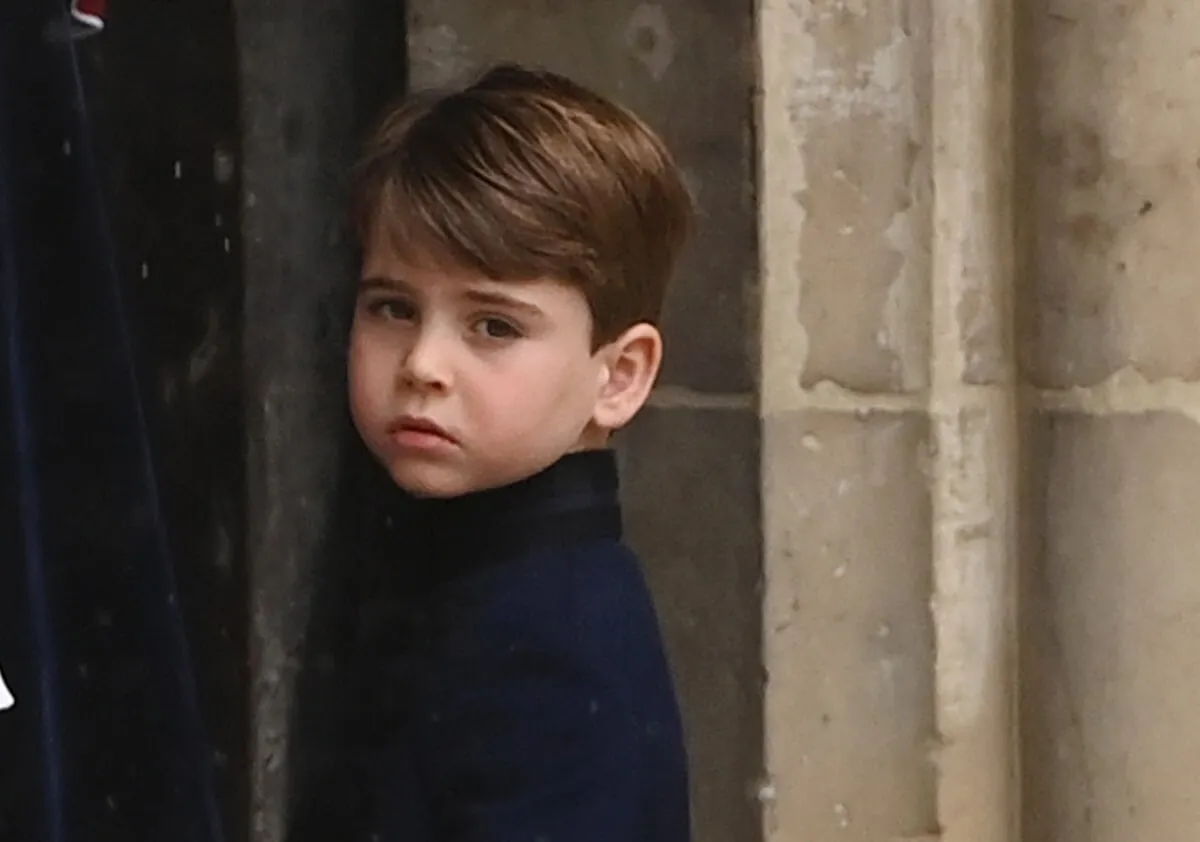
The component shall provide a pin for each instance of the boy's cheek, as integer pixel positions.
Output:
(367, 384)
(364, 354)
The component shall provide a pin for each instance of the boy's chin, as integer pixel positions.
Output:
(440, 482)
(431, 485)
(436, 480)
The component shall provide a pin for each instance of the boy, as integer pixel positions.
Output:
(518, 235)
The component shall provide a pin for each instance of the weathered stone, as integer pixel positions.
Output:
(848, 632)
(310, 81)
(692, 501)
(1116, 179)
(858, 122)
(1111, 620)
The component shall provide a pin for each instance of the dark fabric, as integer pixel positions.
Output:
(104, 743)
(526, 694)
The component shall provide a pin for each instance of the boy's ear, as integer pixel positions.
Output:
(630, 367)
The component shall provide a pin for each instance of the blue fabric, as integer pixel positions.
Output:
(532, 696)
(105, 741)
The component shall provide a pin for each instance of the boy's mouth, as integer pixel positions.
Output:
(410, 431)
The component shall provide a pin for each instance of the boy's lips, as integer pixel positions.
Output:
(420, 433)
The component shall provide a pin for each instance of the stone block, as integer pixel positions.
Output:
(1111, 619)
(848, 630)
(1116, 192)
(856, 117)
(692, 506)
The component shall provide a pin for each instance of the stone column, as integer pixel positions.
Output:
(888, 406)
(973, 406)
(1110, 345)
(312, 75)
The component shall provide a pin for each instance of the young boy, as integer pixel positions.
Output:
(518, 236)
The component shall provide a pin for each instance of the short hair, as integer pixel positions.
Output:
(525, 174)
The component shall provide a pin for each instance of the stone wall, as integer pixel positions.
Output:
(979, 420)
(889, 412)
(1109, 350)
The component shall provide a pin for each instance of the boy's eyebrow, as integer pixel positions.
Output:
(374, 282)
(495, 298)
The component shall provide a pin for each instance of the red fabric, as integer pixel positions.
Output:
(90, 13)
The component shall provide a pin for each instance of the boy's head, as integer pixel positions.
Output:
(518, 237)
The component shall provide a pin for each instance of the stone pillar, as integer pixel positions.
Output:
(888, 406)
(1110, 730)
(312, 75)
(893, 158)
(973, 406)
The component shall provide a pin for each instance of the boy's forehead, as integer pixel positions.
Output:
(384, 260)
(387, 263)
(389, 260)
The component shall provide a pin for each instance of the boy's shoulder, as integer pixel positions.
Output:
(587, 605)
(545, 711)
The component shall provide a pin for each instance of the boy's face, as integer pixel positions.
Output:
(459, 383)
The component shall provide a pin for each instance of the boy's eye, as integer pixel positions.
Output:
(494, 328)
(392, 309)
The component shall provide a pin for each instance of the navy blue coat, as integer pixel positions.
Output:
(535, 702)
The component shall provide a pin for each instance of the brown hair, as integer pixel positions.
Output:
(525, 174)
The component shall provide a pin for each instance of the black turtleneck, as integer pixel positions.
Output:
(574, 500)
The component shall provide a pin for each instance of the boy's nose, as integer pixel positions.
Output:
(426, 365)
